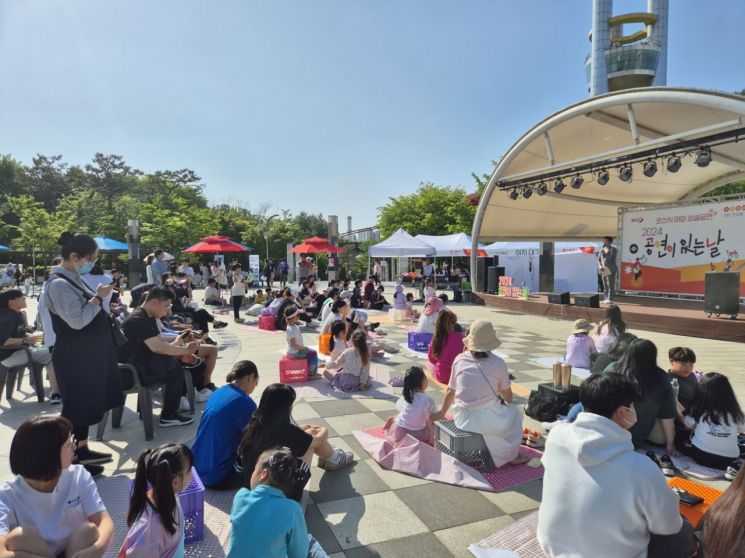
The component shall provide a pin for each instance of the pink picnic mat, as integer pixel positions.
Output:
(255, 329)
(519, 537)
(418, 459)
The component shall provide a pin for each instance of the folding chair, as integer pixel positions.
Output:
(12, 377)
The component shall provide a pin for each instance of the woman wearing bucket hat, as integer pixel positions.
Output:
(580, 346)
(480, 393)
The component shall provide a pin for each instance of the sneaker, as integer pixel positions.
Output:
(667, 466)
(209, 341)
(345, 458)
(94, 470)
(653, 456)
(202, 395)
(239, 320)
(55, 399)
(374, 326)
(184, 404)
(733, 469)
(217, 324)
(175, 420)
(605, 301)
(87, 456)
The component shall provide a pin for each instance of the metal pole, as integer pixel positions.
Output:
(33, 272)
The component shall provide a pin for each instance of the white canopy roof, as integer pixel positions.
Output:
(448, 245)
(400, 244)
(601, 131)
(513, 249)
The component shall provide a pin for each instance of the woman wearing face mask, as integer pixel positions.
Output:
(84, 355)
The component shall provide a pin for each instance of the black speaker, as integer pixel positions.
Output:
(587, 300)
(558, 298)
(480, 283)
(493, 274)
(722, 293)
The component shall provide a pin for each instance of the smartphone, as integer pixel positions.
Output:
(687, 498)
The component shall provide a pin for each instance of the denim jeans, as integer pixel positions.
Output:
(314, 549)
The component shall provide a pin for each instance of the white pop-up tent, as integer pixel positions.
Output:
(520, 261)
(400, 245)
(452, 245)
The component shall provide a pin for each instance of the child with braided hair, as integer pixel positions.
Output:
(155, 517)
(266, 520)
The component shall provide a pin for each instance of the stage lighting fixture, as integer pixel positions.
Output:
(542, 189)
(703, 157)
(650, 168)
(625, 173)
(603, 177)
(527, 192)
(514, 195)
(673, 163)
(577, 182)
(559, 186)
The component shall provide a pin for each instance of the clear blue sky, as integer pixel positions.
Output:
(321, 105)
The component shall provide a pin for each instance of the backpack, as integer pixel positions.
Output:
(546, 404)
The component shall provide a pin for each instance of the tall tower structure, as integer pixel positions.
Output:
(623, 61)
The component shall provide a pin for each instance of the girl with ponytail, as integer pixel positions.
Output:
(416, 410)
(266, 520)
(355, 365)
(155, 517)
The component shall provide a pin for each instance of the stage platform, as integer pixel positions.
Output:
(678, 317)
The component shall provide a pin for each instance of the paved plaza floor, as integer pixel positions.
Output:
(364, 510)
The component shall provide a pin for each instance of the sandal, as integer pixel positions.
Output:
(397, 381)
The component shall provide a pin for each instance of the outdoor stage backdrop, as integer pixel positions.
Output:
(670, 250)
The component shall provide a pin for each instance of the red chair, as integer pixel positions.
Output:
(268, 323)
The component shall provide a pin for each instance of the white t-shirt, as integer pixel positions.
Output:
(328, 320)
(415, 416)
(293, 332)
(717, 439)
(239, 285)
(54, 514)
(189, 271)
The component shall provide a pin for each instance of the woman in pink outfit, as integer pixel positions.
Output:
(446, 344)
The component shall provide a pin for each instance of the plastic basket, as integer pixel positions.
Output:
(419, 341)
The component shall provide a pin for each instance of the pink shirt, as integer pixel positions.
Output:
(579, 349)
(452, 347)
(470, 376)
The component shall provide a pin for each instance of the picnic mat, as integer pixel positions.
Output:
(114, 492)
(255, 329)
(418, 459)
(518, 539)
(321, 387)
(325, 358)
(687, 465)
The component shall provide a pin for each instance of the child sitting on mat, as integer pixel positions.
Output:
(155, 518)
(51, 507)
(399, 298)
(415, 410)
(265, 520)
(411, 313)
(580, 346)
(338, 342)
(295, 347)
(715, 418)
(354, 363)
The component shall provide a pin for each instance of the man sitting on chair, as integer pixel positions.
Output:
(155, 357)
(15, 336)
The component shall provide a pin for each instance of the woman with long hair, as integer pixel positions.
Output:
(609, 328)
(272, 426)
(657, 399)
(446, 344)
(722, 535)
(607, 362)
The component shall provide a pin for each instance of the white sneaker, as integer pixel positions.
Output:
(184, 405)
(203, 395)
(606, 301)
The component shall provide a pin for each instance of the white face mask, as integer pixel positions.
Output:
(630, 419)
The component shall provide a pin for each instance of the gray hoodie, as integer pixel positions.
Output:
(600, 497)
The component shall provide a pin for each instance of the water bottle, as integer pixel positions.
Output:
(676, 387)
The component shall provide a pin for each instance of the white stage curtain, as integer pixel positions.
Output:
(575, 272)
(522, 269)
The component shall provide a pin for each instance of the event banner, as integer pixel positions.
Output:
(670, 250)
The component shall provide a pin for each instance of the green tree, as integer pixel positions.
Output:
(36, 226)
(111, 177)
(737, 187)
(431, 210)
(312, 225)
(46, 180)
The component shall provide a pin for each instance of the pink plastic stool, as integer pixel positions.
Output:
(268, 323)
(293, 370)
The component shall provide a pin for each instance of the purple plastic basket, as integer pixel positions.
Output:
(192, 503)
(419, 341)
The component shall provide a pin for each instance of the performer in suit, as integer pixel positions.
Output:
(608, 268)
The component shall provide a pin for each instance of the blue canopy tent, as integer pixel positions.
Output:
(110, 245)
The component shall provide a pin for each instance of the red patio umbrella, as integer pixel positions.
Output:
(217, 245)
(315, 245)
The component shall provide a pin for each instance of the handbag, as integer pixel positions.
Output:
(605, 272)
(117, 335)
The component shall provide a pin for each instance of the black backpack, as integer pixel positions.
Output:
(546, 403)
